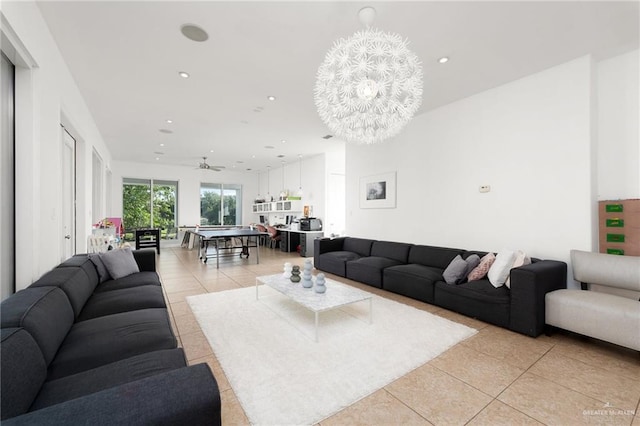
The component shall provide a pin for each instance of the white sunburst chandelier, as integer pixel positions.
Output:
(369, 85)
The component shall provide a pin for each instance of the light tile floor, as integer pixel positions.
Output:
(495, 377)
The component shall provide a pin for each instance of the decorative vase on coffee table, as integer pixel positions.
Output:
(295, 274)
(319, 287)
(306, 274)
(287, 270)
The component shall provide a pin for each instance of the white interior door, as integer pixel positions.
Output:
(68, 195)
(7, 180)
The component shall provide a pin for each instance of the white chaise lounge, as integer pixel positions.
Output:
(607, 317)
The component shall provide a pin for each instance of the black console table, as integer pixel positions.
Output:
(291, 239)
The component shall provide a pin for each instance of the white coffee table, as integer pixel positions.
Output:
(336, 296)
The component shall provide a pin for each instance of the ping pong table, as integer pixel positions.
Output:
(225, 243)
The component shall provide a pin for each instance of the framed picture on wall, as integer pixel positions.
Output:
(378, 191)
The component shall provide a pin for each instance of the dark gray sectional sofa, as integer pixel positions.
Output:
(77, 351)
(416, 271)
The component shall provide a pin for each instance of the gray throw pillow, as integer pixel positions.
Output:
(120, 263)
(455, 271)
(103, 274)
(472, 262)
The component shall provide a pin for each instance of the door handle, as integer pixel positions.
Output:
(67, 237)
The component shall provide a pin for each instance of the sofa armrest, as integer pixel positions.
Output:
(146, 259)
(529, 284)
(188, 396)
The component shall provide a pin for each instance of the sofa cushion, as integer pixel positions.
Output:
(121, 336)
(122, 300)
(391, 250)
(110, 375)
(133, 280)
(477, 299)
(369, 269)
(120, 263)
(360, 246)
(82, 261)
(73, 281)
(22, 371)
(438, 257)
(334, 262)
(45, 312)
(184, 396)
(610, 317)
(412, 280)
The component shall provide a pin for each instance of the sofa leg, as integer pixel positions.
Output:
(549, 330)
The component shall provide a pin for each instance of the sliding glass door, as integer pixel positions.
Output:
(164, 214)
(150, 203)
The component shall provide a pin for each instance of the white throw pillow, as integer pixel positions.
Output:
(500, 269)
(520, 260)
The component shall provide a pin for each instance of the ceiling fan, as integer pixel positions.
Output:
(203, 165)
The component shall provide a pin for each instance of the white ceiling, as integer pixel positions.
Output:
(125, 57)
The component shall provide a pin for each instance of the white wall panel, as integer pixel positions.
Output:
(619, 127)
(529, 140)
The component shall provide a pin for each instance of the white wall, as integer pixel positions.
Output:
(529, 140)
(46, 96)
(618, 127)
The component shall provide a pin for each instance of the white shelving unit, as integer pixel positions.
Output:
(285, 206)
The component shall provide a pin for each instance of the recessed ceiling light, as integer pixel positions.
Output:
(271, 98)
(253, 156)
(183, 74)
(210, 150)
(161, 144)
(194, 32)
(169, 121)
(283, 141)
(157, 158)
(443, 60)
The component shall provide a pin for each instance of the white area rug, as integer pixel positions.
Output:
(282, 377)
